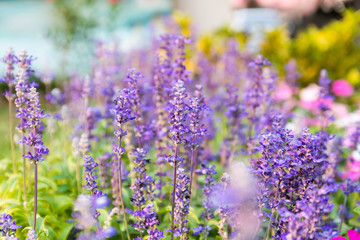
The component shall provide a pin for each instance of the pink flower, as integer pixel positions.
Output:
(301, 6)
(342, 88)
(340, 110)
(353, 235)
(113, 2)
(283, 92)
(354, 171)
(239, 3)
(313, 106)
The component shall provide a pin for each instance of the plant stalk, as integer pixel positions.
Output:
(35, 192)
(11, 131)
(173, 193)
(120, 192)
(343, 214)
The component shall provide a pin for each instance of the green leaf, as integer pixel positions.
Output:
(357, 210)
(354, 222)
(62, 203)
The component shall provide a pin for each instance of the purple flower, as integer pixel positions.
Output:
(104, 166)
(22, 89)
(182, 202)
(9, 59)
(180, 72)
(31, 235)
(122, 110)
(155, 234)
(90, 178)
(8, 226)
(85, 209)
(146, 218)
(257, 98)
(208, 172)
(178, 113)
(31, 116)
(197, 129)
(115, 180)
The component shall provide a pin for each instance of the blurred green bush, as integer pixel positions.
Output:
(335, 47)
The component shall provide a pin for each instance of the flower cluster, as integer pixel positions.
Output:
(178, 113)
(208, 172)
(8, 227)
(281, 177)
(33, 116)
(22, 89)
(147, 219)
(85, 209)
(182, 202)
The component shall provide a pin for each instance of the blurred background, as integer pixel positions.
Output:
(61, 33)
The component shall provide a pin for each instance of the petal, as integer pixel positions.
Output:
(353, 235)
(339, 238)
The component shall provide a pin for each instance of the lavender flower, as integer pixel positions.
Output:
(22, 88)
(31, 235)
(147, 219)
(34, 114)
(9, 60)
(292, 75)
(31, 114)
(224, 208)
(324, 98)
(178, 113)
(104, 166)
(9, 78)
(123, 114)
(196, 128)
(235, 112)
(141, 129)
(90, 177)
(115, 180)
(140, 184)
(258, 94)
(177, 116)
(182, 202)
(209, 172)
(293, 178)
(8, 226)
(85, 209)
(180, 72)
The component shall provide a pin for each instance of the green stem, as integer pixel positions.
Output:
(343, 213)
(11, 132)
(24, 168)
(78, 181)
(35, 192)
(173, 193)
(120, 192)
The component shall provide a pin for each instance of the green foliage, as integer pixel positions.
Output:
(335, 47)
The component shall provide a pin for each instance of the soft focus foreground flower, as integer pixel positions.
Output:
(234, 196)
(342, 88)
(84, 214)
(353, 235)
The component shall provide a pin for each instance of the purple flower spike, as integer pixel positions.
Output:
(182, 202)
(178, 113)
(10, 60)
(8, 226)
